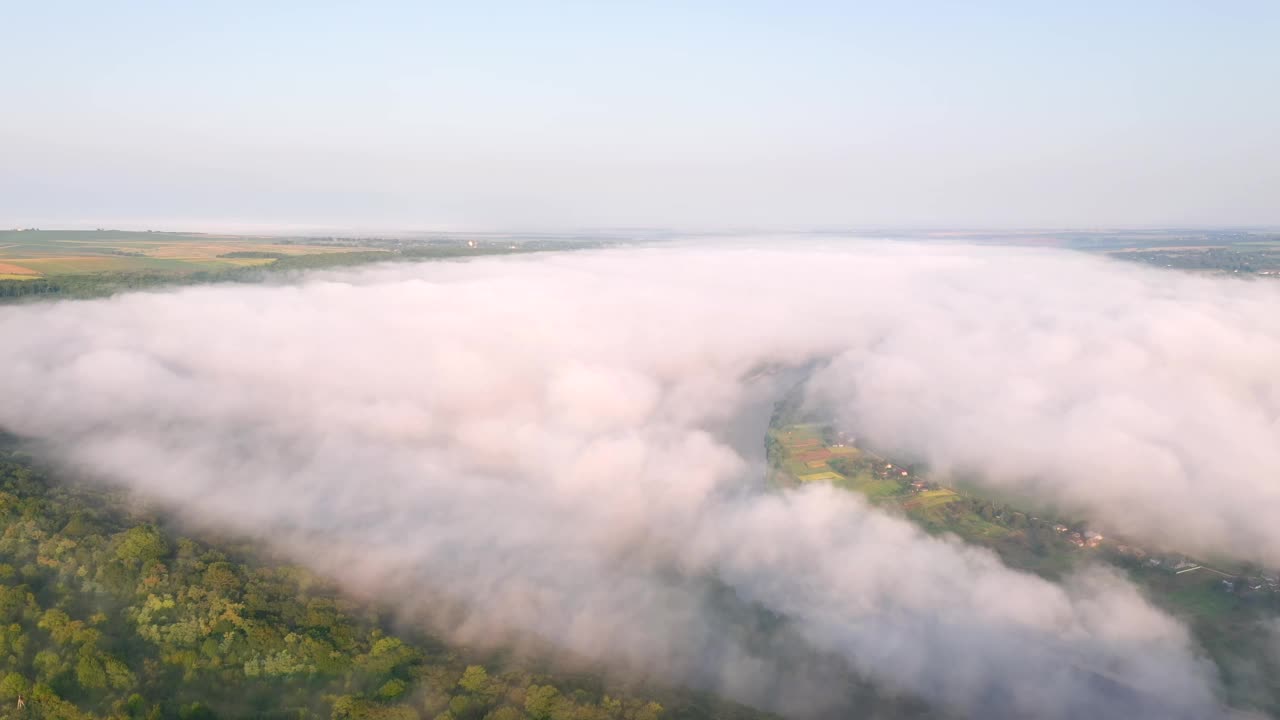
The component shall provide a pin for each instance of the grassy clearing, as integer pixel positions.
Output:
(797, 468)
(971, 525)
(800, 436)
(1204, 599)
(873, 487)
(1015, 552)
(931, 499)
(827, 476)
(1198, 593)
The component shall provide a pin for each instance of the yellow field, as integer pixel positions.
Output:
(11, 271)
(209, 251)
(246, 262)
(820, 477)
(933, 498)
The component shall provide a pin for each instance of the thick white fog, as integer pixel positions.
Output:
(548, 450)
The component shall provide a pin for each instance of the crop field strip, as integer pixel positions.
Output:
(32, 254)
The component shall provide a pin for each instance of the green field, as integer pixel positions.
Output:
(824, 476)
(1203, 599)
(933, 499)
(871, 486)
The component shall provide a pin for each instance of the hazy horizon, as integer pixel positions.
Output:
(886, 231)
(396, 116)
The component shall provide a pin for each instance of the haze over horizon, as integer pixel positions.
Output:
(396, 115)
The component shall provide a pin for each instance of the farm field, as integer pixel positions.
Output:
(38, 265)
(45, 253)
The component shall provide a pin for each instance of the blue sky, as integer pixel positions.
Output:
(404, 115)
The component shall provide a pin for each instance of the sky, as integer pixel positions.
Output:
(769, 115)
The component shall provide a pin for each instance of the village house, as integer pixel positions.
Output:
(1185, 565)
(1131, 551)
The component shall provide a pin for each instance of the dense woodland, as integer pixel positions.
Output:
(105, 613)
(1250, 260)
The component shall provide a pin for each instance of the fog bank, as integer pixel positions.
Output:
(554, 447)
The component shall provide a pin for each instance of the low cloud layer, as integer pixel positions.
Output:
(551, 447)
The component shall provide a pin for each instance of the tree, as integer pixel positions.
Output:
(392, 689)
(540, 701)
(140, 545)
(475, 680)
(13, 685)
(90, 674)
(221, 577)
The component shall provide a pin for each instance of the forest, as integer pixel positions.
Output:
(106, 611)
(1250, 259)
